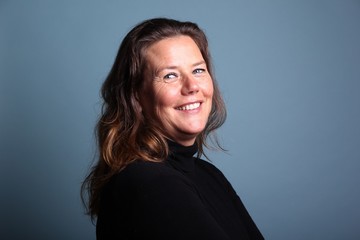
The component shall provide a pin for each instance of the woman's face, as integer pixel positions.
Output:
(178, 89)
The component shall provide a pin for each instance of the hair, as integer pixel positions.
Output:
(123, 132)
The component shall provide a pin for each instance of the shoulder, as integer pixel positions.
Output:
(210, 171)
(147, 171)
(144, 176)
(209, 167)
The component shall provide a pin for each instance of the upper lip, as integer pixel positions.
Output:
(188, 103)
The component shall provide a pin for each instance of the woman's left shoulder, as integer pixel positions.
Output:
(207, 165)
(210, 168)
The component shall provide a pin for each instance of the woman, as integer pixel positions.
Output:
(161, 102)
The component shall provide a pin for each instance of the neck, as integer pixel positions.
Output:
(186, 142)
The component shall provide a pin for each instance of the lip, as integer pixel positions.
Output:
(180, 107)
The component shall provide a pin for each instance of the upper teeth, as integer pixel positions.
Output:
(189, 107)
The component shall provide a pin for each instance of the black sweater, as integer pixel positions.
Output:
(181, 198)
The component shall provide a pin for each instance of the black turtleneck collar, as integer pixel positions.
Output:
(181, 157)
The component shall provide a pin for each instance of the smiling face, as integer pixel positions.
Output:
(178, 89)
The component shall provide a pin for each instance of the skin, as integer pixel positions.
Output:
(178, 89)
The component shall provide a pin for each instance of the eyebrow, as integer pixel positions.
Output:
(160, 69)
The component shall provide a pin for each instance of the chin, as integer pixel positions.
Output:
(195, 132)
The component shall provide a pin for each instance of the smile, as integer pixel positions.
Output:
(189, 106)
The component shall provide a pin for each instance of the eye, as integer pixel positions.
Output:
(170, 77)
(199, 71)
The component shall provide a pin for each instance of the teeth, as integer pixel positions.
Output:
(189, 107)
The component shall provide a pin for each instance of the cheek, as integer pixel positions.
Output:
(209, 94)
(209, 88)
(165, 93)
(156, 98)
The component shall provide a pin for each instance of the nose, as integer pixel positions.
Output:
(190, 85)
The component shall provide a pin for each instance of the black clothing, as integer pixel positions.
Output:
(181, 198)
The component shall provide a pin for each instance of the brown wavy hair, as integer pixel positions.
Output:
(123, 133)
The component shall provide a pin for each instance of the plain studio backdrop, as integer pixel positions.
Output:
(290, 75)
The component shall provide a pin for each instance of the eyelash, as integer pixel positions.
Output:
(174, 75)
(199, 70)
(168, 76)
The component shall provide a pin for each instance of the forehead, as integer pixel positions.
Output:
(177, 50)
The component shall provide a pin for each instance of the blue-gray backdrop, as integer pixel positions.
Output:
(290, 75)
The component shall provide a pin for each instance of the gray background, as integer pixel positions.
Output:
(290, 75)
